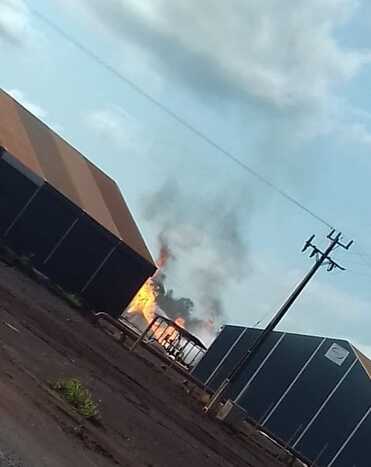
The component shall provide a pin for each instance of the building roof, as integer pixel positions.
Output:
(365, 361)
(45, 153)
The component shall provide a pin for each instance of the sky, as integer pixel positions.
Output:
(169, 97)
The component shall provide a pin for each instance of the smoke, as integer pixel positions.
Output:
(205, 250)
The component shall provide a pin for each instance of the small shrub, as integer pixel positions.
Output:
(72, 299)
(74, 392)
(26, 261)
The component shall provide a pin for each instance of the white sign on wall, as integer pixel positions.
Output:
(337, 354)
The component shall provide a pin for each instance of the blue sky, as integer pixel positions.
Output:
(284, 86)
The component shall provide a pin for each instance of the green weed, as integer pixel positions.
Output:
(75, 393)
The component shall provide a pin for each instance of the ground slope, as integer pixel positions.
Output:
(147, 417)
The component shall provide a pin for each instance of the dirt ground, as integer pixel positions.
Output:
(147, 417)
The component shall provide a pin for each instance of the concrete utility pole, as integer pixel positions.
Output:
(321, 259)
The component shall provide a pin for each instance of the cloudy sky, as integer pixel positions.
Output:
(281, 86)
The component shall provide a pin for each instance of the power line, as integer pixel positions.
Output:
(180, 120)
(321, 258)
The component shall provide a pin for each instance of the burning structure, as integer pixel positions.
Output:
(153, 299)
(163, 317)
(179, 344)
(66, 216)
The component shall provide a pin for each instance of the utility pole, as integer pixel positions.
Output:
(321, 258)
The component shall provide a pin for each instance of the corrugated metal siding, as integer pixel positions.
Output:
(50, 157)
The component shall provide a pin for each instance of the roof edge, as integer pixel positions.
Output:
(363, 360)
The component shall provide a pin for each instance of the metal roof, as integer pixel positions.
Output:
(43, 152)
(365, 361)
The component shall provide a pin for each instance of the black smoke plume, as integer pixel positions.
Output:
(204, 238)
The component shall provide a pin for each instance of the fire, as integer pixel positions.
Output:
(165, 255)
(180, 322)
(167, 335)
(145, 301)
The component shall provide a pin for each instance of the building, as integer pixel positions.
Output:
(312, 393)
(67, 215)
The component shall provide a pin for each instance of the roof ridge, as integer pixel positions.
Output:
(363, 360)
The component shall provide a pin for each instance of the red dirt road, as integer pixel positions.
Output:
(147, 418)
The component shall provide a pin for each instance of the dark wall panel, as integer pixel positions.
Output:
(310, 391)
(242, 348)
(15, 190)
(216, 352)
(42, 225)
(357, 452)
(118, 281)
(221, 346)
(66, 244)
(80, 254)
(276, 375)
(340, 415)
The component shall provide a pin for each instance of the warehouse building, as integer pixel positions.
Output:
(59, 209)
(311, 393)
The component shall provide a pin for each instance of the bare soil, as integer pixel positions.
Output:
(148, 419)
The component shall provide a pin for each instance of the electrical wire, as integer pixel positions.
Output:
(179, 119)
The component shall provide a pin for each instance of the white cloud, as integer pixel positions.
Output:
(323, 308)
(350, 124)
(328, 310)
(117, 126)
(358, 132)
(15, 21)
(284, 53)
(35, 109)
(283, 61)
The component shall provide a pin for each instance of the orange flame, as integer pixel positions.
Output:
(168, 334)
(145, 301)
(165, 256)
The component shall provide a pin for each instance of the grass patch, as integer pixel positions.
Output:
(76, 394)
(24, 263)
(71, 298)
